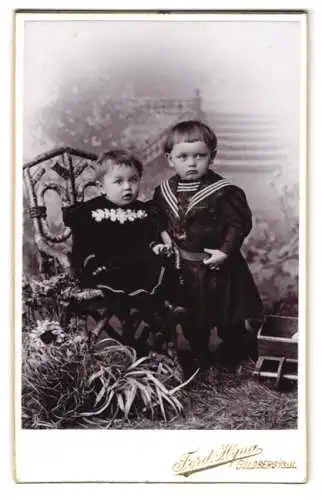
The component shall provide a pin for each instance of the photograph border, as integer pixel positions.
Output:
(303, 266)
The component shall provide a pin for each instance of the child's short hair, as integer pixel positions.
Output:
(190, 131)
(117, 157)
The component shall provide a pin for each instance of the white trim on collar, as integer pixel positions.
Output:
(170, 197)
(172, 201)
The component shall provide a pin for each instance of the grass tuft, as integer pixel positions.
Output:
(68, 382)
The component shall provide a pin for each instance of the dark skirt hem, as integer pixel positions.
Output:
(136, 291)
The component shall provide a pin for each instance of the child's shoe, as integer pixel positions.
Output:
(188, 363)
(228, 357)
(159, 343)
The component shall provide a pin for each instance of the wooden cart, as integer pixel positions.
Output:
(278, 349)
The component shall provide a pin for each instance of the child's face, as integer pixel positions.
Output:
(121, 184)
(190, 160)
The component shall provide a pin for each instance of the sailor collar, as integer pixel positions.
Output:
(168, 190)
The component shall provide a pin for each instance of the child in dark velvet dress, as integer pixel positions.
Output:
(118, 244)
(207, 219)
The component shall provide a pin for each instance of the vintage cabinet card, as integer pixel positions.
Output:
(140, 358)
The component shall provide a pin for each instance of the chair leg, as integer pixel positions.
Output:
(100, 325)
(128, 328)
(67, 315)
(101, 321)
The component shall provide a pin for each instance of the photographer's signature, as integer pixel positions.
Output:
(240, 456)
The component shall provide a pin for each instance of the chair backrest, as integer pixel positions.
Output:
(53, 182)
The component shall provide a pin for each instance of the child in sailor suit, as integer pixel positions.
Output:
(207, 219)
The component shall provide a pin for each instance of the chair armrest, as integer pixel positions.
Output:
(61, 256)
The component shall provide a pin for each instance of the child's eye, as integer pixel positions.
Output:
(134, 179)
(200, 155)
(118, 181)
(182, 157)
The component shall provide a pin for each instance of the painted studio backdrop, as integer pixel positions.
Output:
(92, 85)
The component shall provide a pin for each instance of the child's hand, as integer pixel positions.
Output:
(161, 249)
(217, 257)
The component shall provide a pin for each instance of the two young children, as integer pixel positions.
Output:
(121, 244)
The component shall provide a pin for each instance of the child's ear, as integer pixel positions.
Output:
(99, 186)
(213, 155)
(168, 158)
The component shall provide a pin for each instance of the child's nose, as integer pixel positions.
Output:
(127, 186)
(191, 160)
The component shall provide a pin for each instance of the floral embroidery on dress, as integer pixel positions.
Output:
(118, 215)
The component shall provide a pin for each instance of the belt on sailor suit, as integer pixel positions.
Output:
(192, 256)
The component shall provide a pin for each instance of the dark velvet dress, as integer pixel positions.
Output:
(211, 214)
(112, 248)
